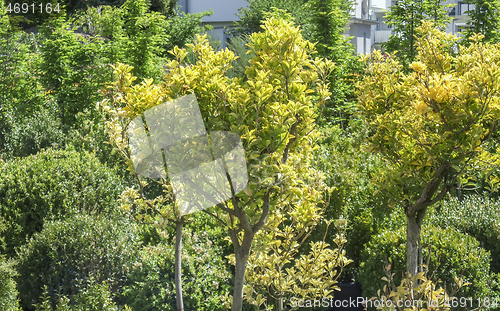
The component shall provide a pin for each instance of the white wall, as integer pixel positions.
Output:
(362, 38)
(223, 10)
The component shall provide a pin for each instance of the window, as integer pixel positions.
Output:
(464, 7)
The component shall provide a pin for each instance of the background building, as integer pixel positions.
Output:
(224, 14)
(360, 27)
(382, 31)
(367, 27)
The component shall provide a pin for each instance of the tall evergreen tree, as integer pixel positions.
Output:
(252, 16)
(322, 22)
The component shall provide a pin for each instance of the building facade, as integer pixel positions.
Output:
(368, 27)
(224, 14)
(360, 27)
(382, 30)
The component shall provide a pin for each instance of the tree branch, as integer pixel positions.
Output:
(429, 190)
(293, 131)
(265, 211)
(216, 217)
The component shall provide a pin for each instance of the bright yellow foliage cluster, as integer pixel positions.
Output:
(273, 109)
(418, 293)
(439, 115)
(276, 275)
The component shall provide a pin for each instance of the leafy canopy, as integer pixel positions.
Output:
(273, 111)
(432, 124)
(484, 18)
(406, 16)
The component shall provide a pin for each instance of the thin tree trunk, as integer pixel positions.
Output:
(241, 255)
(178, 260)
(239, 281)
(412, 242)
(242, 250)
(413, 230)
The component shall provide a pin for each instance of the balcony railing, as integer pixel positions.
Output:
(382, 36)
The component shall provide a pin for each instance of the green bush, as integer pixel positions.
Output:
(66, 254)
(8, 290)
(205, 278)
(20, 89)
(349, 170)
(8, 286)
(50, 185)
(29, 134)
(94, 297)
(451, 253)
(477, 216)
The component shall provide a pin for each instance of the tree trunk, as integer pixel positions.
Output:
(178, 260)
(413, 229)
(241, 255)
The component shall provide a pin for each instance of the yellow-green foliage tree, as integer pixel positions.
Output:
(417, 293)
(278, 272)
(433, 124)
(273, 111)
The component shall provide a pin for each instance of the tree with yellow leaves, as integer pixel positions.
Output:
(273, 111)
(432, 125)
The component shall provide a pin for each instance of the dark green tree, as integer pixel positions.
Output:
(325, 24)
(484, 18)
(322, 21)
(165, 7)
(73, 68)
(253, 15)
(406, 16)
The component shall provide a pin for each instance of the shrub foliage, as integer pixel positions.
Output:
(451, 252)
(66, 254)
(476, 216)
(50, 185)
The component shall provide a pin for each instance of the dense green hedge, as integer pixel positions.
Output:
(29, 134)
(68, 256)
(355, 197)
(451, 252)
(477, 216)
(50, 185)
(65, 255)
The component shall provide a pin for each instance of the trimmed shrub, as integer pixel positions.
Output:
(67, 254)
(8, 286)
(205, 278)
(477, 216)
(29, 134)
(451, 253)
(49, 185)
